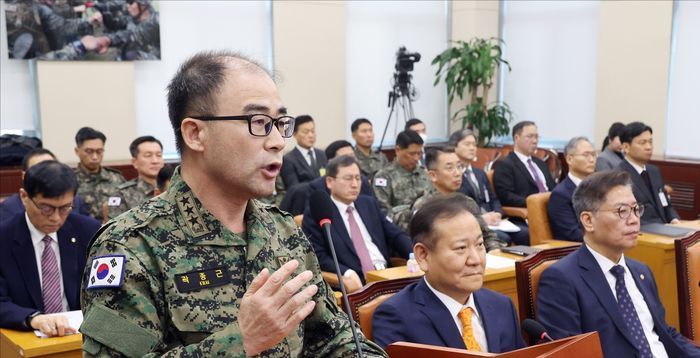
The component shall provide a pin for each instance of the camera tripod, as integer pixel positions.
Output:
(401, 93)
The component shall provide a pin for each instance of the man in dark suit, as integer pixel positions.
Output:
(598, 288)
(304, 162)
(581, 158)
(647, 183)
(448, 307)
(519, 174)
(44, 253)
(363, 237)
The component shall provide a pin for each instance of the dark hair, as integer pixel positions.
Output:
(438, 207)
(615, 130)
(50, 179)
(164, 174)
(406, 138)
(191, 91)
(433, 154)
(35, 153)
(134, 146)
(589, 195)
(632, 130)
(87, 133)
(304, 118)
(356, 124)
(338, 162)
(332, 148)
(518, 127)
(459, 135)
(411, 122)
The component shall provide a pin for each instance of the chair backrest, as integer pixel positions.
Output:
(527, 277)
(538, 218)
(688, 274)
(486, 156)
(489, 174)
(365, 301)
(551, 158)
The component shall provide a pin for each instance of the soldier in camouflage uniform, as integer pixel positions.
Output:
(370, 161)
(445, 171)
(205, 269)
(401, 182)
(95, 183)
(141, 38)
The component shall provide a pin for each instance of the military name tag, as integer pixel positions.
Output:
(196, 280)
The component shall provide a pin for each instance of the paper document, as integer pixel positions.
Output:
(75, 319)
(505, 226)
(497, 262)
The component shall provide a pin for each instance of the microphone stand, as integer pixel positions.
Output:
(325, 224)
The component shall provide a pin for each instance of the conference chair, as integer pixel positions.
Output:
(365, 301)
(485, 157)
(551, 158)
(508, 210)
(538, 218)
(688, 276)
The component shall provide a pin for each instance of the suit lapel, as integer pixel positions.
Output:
(642, 186)
(69, 260)
(523, 169)
(23, 251)
(439, 316)
(344, 233)
(486, 310)
(363, 211)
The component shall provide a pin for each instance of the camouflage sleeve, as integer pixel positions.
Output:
(491, 240)
(383, 191)
(139, 34)
(72, 51)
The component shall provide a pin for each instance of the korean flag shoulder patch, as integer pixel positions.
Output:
(106, 271)
(381, 182)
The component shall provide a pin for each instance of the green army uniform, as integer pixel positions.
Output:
(396, 189)
(491, 240)
(96, 188)
(372, 163)
(184, 276)
(131, 194)
(276, 198)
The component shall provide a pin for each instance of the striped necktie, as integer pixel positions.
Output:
(50, 279)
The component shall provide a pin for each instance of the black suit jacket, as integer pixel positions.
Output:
(562, 217)
(513, 181)
(295, 170)
(20, 287)
(387, 236)
(486, 198)
(654, 211)
(296, 199)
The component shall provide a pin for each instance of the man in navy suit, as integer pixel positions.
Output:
(304, 163)
(363, 237)
(597, 288)
(581, 158)
(647, 183)
(43, 253)
(448, 307)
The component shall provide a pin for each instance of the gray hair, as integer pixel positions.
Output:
(573, 142)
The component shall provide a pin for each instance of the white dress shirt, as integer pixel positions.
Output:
(374, 253)
(523, 158)
(305, 153)
(575, 179)
(637, 167)
(640, 305)
(454, 307)
(38, 243)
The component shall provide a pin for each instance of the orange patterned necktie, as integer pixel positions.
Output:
(465, 315)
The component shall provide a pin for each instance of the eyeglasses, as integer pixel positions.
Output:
(48, 210)
(624, 211)
(259, 125)
(587, 155)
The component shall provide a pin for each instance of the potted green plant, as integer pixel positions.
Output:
(469, 68)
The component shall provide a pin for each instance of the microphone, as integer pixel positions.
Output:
(535, 329)
(321, 208)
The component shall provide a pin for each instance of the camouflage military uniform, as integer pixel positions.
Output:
(172, 237)
(372, 163)
(95, 189)
(71, 52)
(131, 194)
(491, 240)
(139, 41)
(396, 189)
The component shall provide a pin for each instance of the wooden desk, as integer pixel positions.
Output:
(658, 253)
(27, 344)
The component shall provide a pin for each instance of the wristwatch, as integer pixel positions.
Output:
(28, 320)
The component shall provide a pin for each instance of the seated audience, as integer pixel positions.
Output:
(402, 181)
(476, 185)
(304, 162)
(580, 157)
(448, 307)
(163, 178)
(647, 183)
(598, 288)
(43, 254)
(13, 203)
(416, 125)
(611, 154)
(363, 238)
(370, 161)
(445, 172)
(95, 182)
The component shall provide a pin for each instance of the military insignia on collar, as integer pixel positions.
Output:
(281, 260)
(197, 280)
(106, 271)
(190, 212)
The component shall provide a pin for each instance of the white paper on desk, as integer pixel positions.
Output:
(505, 226)
(498, 262)
(75, 319)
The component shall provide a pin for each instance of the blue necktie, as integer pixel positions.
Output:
(629, 314)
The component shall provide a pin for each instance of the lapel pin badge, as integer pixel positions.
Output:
(72, 240)
(641, 276)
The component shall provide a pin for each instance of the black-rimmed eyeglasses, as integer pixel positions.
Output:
(259, 125)
(48, 210)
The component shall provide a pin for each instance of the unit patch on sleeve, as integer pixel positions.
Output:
(106, 271)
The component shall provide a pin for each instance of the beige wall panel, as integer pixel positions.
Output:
(309, 51)
(84, 93)
(633, 60)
